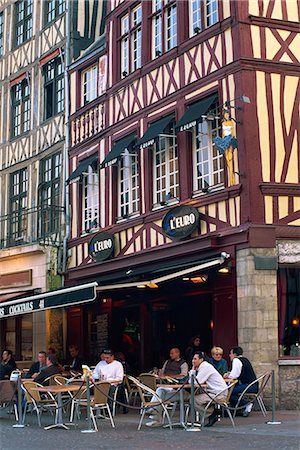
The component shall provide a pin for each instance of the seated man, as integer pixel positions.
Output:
(204, 373)
(7, 365)
(77, 361)
(175, 367)
(112, 371)
(243, 371)
(37, 366)
(52, 368)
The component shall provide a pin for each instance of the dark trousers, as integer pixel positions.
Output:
(238, 389)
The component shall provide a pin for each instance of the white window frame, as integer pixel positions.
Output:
(211, 12)
(164, 34)
(131, 41)
(165, 169)
(208, 163)
(128, 185)
(90, 200)
(89, 83)
(195, 16)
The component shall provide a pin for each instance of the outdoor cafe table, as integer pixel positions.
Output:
(56, 389)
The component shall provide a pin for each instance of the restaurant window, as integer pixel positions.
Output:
(89, 85)
(165, 166)
(53, 87)
(208, 162)
(53, 9)
(18, 206)
(18, 336)
(131, 41)
(289, 311)
(20, 95)
(49, 190)
(128, 184)
(23, 21)
(90, 199)
(164, 26)
(203, 14)
(1, 33)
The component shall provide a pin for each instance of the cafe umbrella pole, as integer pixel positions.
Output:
(19, 390)
(88, 406)
(192, 427)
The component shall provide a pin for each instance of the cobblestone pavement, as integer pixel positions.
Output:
(251, 432)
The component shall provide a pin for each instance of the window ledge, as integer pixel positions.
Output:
(294, 361)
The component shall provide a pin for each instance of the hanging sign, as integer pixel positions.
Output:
(180, 221)
(102, 246)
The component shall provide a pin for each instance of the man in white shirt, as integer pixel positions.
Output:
(112, 370)
(205, 373)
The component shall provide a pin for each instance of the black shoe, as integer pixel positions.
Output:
(211, 420)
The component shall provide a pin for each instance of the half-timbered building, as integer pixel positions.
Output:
(184, 182)
(37, 41)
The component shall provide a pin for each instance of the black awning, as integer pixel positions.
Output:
(155, 129)
(83, 167)
(74, 295)
(114, 155)
(194, 113)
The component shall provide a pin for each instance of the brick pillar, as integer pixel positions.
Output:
(258, 312)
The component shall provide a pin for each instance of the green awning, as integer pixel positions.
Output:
(152, 134)
(114, 155)
(83, 167)
(195, 113)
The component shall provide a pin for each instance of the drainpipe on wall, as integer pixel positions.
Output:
(67, 139)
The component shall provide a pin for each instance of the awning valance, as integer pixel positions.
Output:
(60, 298)
(194, 113)
(83, 167)
(152, 134)
(118, 148)
(168, 275)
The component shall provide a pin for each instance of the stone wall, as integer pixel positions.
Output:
(289, 386)
(257, 312)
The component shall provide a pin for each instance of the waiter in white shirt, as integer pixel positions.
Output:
(96, 374)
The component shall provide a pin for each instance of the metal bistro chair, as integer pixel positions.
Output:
(223, 404)
(145, 392)
(262, 382)
(100, 402)
(34, 399)
(132, 390)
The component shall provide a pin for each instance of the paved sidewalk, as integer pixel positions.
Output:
(251, 432)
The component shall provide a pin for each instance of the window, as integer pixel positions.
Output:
(89, 85)
(23, 21)
(203, 14)
(20, 108)
(128, 184)
(195, 14)
(165, 170)
(53, 8)
(288, 309)
(50, 176)
(1, 33)
(211, 12)
(54, 87)
(90, 199)
(164, 26)
(17, 336)
(131, 41)
(18, 205)
(208, 162)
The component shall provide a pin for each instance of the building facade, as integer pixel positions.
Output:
(37, 41)
(186, 233)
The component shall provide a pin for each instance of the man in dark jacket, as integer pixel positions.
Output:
(37, 366)
(7, 365)
(242, 371)
(77, 361)
(51, 369)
